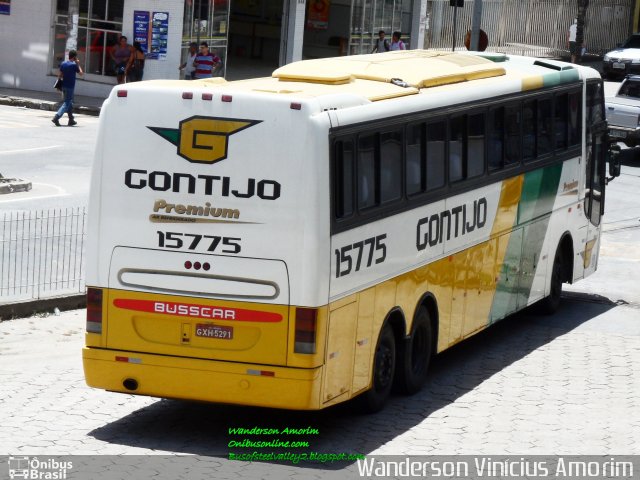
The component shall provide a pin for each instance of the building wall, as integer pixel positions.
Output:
(26, 56)
(25, 36)
(159, 69)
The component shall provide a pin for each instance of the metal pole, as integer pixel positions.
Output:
(475, 25)
(455, 25)
(198, 24)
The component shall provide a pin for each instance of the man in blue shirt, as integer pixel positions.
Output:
(67, 74)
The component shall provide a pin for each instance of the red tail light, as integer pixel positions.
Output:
(94, 310)
(306, 321)
(122, 93)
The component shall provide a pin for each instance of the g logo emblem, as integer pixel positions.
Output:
(203, 139)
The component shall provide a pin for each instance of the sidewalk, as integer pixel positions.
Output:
(49, 101)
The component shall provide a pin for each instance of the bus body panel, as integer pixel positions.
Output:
(259, 217)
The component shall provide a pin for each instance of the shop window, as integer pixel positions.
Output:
(99, 27)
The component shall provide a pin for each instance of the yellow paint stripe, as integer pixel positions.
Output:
(532, 83)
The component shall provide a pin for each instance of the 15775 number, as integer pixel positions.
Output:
(191, 241)
(345, 259)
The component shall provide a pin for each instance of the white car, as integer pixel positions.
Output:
(623, 112)
(624, 60)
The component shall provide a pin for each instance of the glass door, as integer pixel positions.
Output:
(207, 21)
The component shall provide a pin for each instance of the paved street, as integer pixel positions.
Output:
(57, 160)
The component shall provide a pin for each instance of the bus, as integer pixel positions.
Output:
(299, 240)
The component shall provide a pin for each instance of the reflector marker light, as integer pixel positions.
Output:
(187, 95)
(296, 106)
(305, 333)
(261, 373)
(122, 93)
(226, 98)
(94, 310)
(128, 359)
(207, 96)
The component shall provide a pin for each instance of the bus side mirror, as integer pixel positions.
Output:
(614, 161)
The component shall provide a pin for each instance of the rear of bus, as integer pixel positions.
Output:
(204, 197)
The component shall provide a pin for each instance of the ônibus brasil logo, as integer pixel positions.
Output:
(203, 139)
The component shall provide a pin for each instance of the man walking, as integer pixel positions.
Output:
(67, 74)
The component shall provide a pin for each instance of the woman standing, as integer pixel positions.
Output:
(120, 55)
(135, 65)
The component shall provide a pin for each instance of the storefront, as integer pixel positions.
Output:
(253, 37)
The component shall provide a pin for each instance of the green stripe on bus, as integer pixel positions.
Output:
(523, 253)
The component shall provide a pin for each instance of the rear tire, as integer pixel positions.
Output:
(384, 363)
(415, 355)
(549, 305)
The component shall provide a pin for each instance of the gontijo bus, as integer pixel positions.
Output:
(300, 240)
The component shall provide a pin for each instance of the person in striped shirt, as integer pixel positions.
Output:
(205, 62)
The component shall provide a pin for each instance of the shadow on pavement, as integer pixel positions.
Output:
(202, 429)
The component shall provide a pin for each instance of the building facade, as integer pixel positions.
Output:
(253, 37)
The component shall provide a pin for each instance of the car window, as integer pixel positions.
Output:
(632, 42)
(630, 89)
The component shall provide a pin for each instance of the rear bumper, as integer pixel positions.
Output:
(203, 380)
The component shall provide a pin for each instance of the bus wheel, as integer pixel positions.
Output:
(549, 305)
(383, 368)
(415, 355)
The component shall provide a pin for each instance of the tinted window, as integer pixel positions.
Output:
(456, 148)
(544, 127)
(575, 118)
(630, 89)
(513, 127)
(436, 137)
(475, 145)
(344, 179)
(529, 130)
(391, 144)
(415, 173)
(496, 138)
(561, 107)
(366, 185)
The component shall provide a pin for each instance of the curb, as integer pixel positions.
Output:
(45, 105)
(11, 311)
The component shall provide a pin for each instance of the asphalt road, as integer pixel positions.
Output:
(57, 160)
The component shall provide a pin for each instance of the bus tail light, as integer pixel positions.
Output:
(306, 322)
(94, 310)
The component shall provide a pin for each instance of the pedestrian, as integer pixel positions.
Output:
(135, 65)
(396, 43)
(188, 65)
(573, 44)
(205, 62)
(382, 44)
(120, 55)
(67, 74)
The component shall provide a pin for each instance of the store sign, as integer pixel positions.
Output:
(141, 29)
(5, 7)
(318, 15)
(159, 36)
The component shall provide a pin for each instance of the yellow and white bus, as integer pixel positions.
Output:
(299, 240)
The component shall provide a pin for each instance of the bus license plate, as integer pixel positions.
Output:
(214, 331)
(617, 134)
(618, 65)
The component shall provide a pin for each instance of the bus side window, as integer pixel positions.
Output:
(436, 137)
(391, 146)
(561, 114)
(545, 126)
(575, 118)
(343, 179)
(529, 130)
(496, 138)
(415, 170)
(456, 148)
(475, 145)
(513, 126)
(366, 176)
